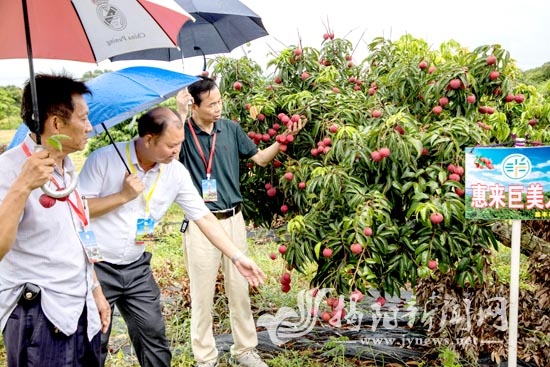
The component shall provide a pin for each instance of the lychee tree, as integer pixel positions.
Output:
(375, 166)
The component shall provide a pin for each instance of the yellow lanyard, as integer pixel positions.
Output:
(147, 197)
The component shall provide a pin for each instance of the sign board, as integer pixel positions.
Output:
(507, 183)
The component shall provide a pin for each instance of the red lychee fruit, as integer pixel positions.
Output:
(384, 152)
(376, 156)
(519, 98)
(282, 249)
(432, 264)
(454, 177)
(356, 248)
(491, 60)
(356, 296)
(237, 86)
(436, 218)
(327, 252)
(455, 83)
(367, 231)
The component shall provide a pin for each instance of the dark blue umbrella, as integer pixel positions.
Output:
(119, 95)
(220, 26)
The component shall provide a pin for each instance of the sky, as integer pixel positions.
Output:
(519, 27)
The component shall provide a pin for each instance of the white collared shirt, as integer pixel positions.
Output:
(47, 252)
(103, 174)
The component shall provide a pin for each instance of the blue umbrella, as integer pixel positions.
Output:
(119, 95)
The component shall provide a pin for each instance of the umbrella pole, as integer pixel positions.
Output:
(34, 93)
(197, 48)
(114, 145)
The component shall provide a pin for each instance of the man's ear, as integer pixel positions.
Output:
(148, 139)
(53, 124)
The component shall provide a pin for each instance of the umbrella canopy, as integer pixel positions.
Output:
(86, 30)
(119, 95)
(220, 26)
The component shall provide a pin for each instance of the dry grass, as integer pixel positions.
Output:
(6, 136)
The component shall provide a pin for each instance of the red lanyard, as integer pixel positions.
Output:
(78, 208)
(208, 165)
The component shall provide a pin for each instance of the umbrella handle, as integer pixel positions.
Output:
(57, 194)
(66, 191)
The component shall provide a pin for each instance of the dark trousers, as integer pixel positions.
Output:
(31, 340)
(133, 289)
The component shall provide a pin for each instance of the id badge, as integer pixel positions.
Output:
(209, 190)
(145, 231)
(89, 242)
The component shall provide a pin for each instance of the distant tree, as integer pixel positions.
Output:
(540, 78)
(92, 74)
(10, 102)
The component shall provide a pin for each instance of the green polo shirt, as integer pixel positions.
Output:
(232, 144)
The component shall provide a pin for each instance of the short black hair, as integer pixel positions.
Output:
(204, 84)
(155, 121)
(55, 97)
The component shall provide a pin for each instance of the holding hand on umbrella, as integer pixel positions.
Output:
(36, 170)
(183, 100)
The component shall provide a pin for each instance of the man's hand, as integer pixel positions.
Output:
(132, 186)
(252, 272)
(183, 100)
(36, 170)
(295, 127)
(104, 309)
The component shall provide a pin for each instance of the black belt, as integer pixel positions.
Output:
(227, 213)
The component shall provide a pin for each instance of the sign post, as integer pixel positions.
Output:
(509, 184)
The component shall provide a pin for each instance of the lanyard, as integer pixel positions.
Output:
(208, 165)
(78, 208)
(147, 197)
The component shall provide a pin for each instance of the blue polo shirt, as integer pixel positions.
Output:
(232, 145)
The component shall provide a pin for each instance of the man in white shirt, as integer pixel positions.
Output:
(49, 300)
(126, 207)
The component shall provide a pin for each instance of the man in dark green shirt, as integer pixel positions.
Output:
(211, 152)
